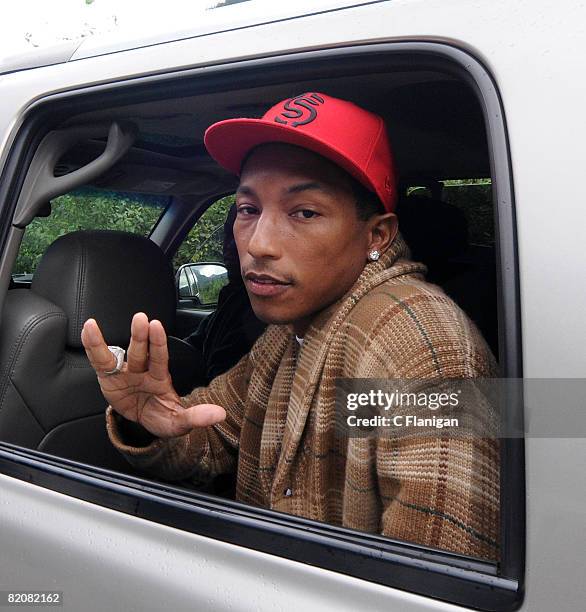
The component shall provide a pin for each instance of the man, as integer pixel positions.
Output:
(325, 266)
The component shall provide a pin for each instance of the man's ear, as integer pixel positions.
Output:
(383, 229)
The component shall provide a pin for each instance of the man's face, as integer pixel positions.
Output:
(296, 222)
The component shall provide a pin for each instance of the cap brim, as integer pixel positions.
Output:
(229, 141)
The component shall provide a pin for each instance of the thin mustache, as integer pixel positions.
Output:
(268, 273)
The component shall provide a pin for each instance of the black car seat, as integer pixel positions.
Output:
(49, 396)
(437, 234)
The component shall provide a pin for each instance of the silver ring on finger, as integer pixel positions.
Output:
(119, 353)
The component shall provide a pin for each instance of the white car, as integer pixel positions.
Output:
(484, 103)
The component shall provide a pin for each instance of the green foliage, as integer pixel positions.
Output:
(73, 212)
(204, 242)
(208, 292)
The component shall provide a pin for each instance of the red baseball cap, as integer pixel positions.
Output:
(351, 137)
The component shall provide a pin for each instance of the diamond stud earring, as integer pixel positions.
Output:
(373, 255)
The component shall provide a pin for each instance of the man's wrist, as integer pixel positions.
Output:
(131, 433)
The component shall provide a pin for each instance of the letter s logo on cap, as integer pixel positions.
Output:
(297, 107)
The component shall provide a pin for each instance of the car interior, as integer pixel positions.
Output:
(49, 397)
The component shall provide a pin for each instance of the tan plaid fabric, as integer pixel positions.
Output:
(280, 437)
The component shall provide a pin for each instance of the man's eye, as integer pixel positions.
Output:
(305, 214)
(246, 210)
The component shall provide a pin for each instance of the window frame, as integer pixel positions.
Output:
(183, 271)
(436, 574)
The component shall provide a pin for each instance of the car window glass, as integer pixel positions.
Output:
(86, 210)
(474, 198)
(204, 241)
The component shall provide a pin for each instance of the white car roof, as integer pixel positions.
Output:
(225, 18)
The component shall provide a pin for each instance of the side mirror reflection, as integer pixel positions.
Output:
(201, 282)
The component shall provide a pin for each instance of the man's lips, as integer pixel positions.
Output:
(265, 285)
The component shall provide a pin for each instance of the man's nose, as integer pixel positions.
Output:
(264, 241)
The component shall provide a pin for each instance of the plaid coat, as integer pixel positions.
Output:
(279, 434)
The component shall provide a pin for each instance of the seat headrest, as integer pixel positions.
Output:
(433, 229)
(109, 276)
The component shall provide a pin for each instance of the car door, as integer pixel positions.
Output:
(112, 541)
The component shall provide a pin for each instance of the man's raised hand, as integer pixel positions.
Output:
(142, 391)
